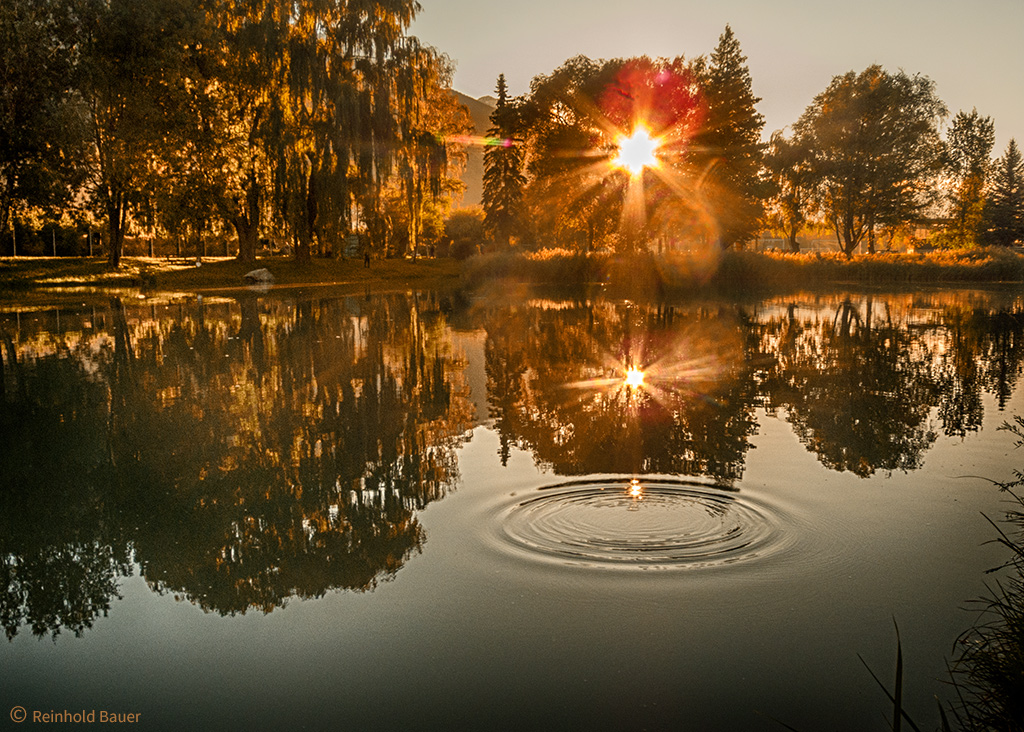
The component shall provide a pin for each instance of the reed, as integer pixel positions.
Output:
(988, 672)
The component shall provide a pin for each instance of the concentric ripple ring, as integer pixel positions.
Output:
(642, 523)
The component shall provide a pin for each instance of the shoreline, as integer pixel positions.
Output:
(673, 273)
(23, 275)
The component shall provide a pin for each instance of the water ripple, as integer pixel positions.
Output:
(642, 523)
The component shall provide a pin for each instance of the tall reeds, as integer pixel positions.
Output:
(988, 672)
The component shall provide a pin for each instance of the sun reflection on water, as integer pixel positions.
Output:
(634, 378)
(635, 490)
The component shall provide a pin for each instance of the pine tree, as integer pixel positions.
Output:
(732, 142)
(1004, 209)
(503, 170)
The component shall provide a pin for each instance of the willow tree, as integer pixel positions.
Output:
(427, 117)
(247, 71)
(344, 115)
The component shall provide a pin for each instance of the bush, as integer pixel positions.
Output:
(464, 230)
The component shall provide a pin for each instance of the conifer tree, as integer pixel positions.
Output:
(503, 170)
(732, 144)
(1004, 211)
(969, 147)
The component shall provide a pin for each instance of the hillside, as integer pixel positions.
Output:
(473, 176)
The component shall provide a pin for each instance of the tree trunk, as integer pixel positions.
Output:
(247, 239)
(247, 222)
(115, 222)
(304, 242)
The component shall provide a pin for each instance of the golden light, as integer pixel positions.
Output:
(636, 491)
(634, 378)
(636, 152)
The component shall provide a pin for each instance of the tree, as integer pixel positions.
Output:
(503, 170)
(876, 148)
(786, 161)
(1003, 218)
(465, 230)
(133, 83)
(245, 67)
(43, 138)
(969, 147)
(730, 143)
(564, 194)
(348, 116)
(574, 121)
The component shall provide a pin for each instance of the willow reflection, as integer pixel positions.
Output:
(245, 455)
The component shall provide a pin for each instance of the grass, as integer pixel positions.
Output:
(626, 275)
(217, 274)
(732, 270)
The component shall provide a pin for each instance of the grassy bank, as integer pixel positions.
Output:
(725, 271)
(217, 274)
(746, 270)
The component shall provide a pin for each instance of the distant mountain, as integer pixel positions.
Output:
(473, 176)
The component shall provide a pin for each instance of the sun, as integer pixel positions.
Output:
(636, 152)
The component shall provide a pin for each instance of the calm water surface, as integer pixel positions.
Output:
(422, 511)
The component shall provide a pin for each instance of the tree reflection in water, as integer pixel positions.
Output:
(558, 381)
(857, 379)
(241, 453)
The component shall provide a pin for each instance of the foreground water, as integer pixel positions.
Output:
(420, 511)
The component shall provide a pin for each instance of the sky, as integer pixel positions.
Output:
(972, 50)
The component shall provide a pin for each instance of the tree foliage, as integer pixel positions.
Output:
(574, 120)
(730, 142)
(503, 169)
(969, 148)
(266, 116)
(875, 151)
(789, 181)
(42, 135)
(1003, 217)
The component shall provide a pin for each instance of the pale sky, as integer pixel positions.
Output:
(973, 50)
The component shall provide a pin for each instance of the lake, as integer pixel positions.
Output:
(426, 510)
